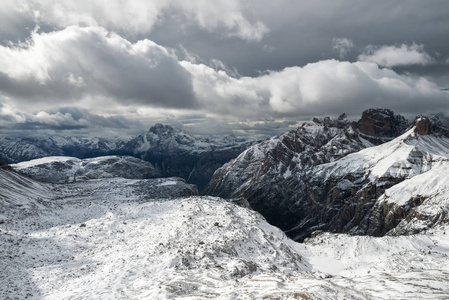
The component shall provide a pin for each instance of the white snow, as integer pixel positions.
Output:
(44, 160)
(168, 182)
(404, 157)
(402, 267)
(61, 169)
(104, 239)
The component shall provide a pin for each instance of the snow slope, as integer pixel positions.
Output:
(112, 239)
(374, 190)
(404, 157)
(400, 267)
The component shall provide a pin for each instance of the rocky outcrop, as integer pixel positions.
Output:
(381, 123)
(423, 126)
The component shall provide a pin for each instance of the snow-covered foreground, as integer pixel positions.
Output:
(106, 239)
(399, 267)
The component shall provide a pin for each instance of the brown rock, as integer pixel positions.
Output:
(381, 123)
(423, 126)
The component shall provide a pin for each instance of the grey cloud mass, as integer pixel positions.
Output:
(248, 67)
(77, 62)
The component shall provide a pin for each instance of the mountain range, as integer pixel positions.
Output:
(172, 151)
(368, 201)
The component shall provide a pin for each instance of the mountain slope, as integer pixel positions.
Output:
(273, 174)
(342, 195)
(175, 152)
(327, 175)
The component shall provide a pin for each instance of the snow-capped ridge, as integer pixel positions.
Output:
(61, 169)
(329, 173)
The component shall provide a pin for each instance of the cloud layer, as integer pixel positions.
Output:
(137, 17)
(90, 62)
(252, 66)
(65, 118)
(331, 86)
(392, 56)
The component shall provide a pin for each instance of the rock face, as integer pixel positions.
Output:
(319, 177)
(354, 189)
(423, 126)
(4, 165)
(381, 123)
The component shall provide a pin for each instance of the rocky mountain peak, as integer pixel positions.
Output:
(423, 126)
(342, 117)
(161, 129)
(380, 122)
(327, 122)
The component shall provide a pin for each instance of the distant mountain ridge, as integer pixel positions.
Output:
(172, 151)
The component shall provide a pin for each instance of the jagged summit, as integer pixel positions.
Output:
(430, 125)
(161, 129)
(380, 122)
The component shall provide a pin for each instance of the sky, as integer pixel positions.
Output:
(253, 67)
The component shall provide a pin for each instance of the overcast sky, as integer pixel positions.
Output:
(254, 67)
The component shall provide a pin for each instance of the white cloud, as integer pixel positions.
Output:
(342, 46)
(391, 56)
(96, 69)
(65, 118)
(140, 16)
(11, 117)
(90, 61)
(327, 86)
(76, 81)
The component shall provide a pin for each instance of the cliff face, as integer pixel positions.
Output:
(381, 123)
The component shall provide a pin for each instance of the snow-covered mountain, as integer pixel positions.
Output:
(60, 169)
(322, 177)
(18, 149)
(167, 139)
(349, 195)
(174, 152)
(110, 238)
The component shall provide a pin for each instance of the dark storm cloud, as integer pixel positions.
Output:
(303, 31)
